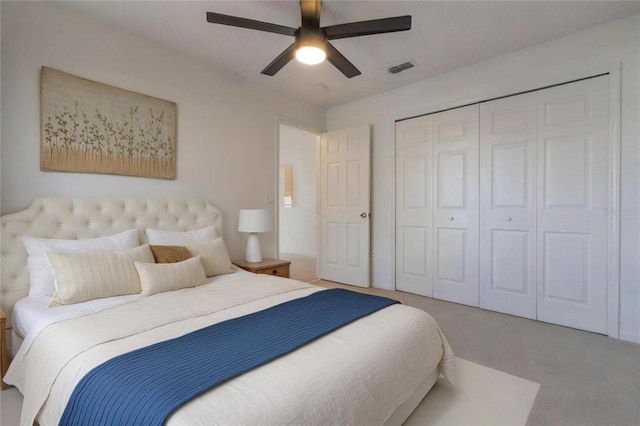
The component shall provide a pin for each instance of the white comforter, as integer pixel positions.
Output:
(358, 374)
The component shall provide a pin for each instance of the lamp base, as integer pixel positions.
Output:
(253, 253)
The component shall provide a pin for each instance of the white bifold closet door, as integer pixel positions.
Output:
(544, 161)
(455, 196)
(508, 205)
(573, 194)
(437, 205)
(502, 205)
(414, 206)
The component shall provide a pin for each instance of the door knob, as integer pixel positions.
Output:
(509, 219)
(363, 215)
(451, 218)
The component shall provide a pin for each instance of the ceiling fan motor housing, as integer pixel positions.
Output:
(314, 37)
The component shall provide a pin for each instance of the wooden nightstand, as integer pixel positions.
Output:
(276, 267)
(4, 362)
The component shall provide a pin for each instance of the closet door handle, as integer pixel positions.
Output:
(451, 218)
(509, 219)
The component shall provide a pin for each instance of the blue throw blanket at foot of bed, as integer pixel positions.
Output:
(145, 386)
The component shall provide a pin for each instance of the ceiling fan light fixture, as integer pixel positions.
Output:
(311, 46)
(310, 55)
(312, 41)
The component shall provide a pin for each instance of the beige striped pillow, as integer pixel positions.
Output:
(87, 276)
(161, 277)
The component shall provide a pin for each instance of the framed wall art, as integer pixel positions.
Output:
(92, 127)
(288, 185)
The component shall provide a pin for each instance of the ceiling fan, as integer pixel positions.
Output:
(312, 41)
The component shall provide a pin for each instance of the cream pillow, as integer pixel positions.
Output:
(214, 257)
(41, 276)
(180, 238)
(87, 276)
(161, 277)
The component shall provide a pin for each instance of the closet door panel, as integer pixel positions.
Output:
(452, 256)
(566, 171)
(509, 186)
(507, 205)
(451, 180)
(509, 268)
(455, 150)
(566, 266)
(572, 231)
(414, 206)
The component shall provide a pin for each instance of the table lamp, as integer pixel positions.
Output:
(254, 221)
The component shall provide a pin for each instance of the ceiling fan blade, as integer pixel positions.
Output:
(362, 28)
(280, 61)
(234, 21)
(339, 61)
(310, 10)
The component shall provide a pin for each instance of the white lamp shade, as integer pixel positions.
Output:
(254, 220)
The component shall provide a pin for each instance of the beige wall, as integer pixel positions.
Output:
(226, 129)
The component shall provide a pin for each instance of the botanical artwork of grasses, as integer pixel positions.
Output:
(95, 128)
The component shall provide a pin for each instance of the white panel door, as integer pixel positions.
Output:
(455, 209)
(573, 194)
(508, 205)
(414, 229)
(344, 206)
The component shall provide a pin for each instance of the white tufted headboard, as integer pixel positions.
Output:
(77, 218)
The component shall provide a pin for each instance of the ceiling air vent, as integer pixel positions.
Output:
(396, 69)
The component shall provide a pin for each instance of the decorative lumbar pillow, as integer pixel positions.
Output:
(180, 238)
(41, 276)
(161, 277)
(170, 254)
(214, 257)
(87, 276)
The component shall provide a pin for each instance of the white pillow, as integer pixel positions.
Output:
(180, 238)
(161, 277)
(214, 257)
(87, 276)
(41, 276)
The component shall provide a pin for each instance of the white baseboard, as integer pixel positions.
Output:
(630, 337)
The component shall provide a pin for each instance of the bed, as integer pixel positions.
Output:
(374, 370)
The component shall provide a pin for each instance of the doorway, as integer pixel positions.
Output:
(297, 201)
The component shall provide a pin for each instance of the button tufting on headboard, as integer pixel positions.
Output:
(77, 218)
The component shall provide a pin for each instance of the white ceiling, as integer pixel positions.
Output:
(445, 35)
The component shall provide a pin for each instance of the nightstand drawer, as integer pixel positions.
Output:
(280, 271)
(276, 267)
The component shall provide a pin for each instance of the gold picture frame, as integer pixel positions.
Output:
(90, 127)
